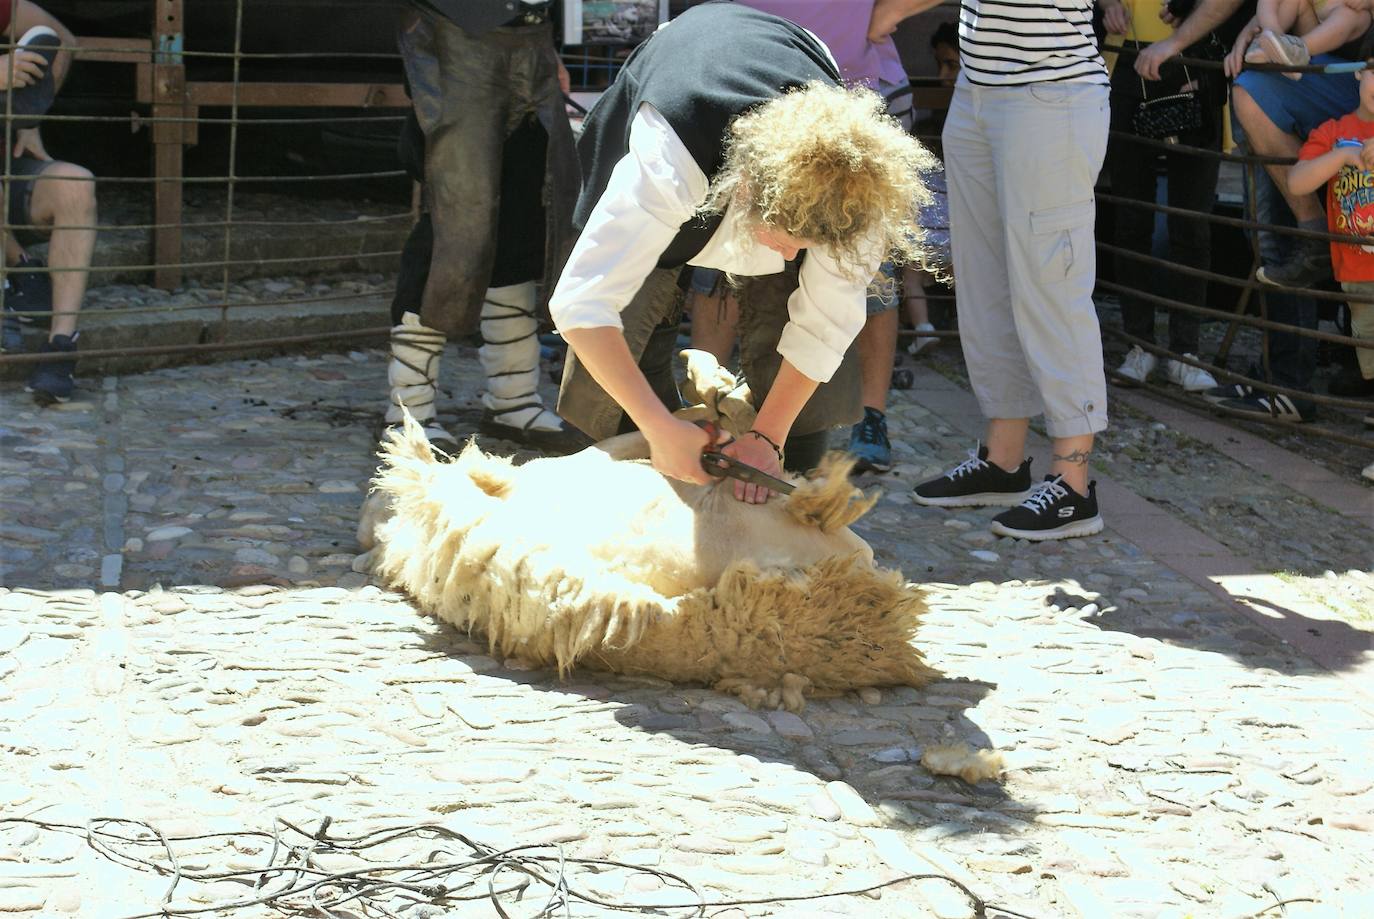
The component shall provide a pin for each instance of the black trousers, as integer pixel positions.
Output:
(1192, 182)
(801, 452)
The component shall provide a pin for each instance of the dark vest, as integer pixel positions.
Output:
(711, 64)
(474, 16)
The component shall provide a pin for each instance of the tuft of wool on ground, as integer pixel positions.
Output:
(970, 765)
(597, 560)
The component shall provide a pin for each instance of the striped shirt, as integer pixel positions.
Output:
(1015, 42)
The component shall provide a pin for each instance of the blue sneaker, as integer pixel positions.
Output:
(868, 443)
(51, 381)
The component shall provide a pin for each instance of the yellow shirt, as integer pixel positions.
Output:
(1146, 25)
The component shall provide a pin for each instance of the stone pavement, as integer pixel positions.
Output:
(1184, 703)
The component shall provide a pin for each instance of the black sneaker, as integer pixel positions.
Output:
(1229, 391)
(51, 381)
(11, 329)
(976, 483)
(26, 293)
(1273, 406)
(868, 443)
(36, 98)
(1351, 384)
(1310, 266)
(1052, 511)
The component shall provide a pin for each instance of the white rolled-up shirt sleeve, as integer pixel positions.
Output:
(825, 313)
(654, 189)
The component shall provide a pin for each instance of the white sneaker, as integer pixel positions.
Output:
(1137, 366)
(922, 342)
(1192, 379)
(1289, 50)
(1368, 472)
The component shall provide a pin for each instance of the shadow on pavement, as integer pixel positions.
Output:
(874, 748)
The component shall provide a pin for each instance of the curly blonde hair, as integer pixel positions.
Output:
(828, 164)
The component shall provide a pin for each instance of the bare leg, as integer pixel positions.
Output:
(877, 344)
(914, 296)
(64, 197)
(1279, 15)
(1006, 443)
(1341, 26)
(1266, 139)
(714, 322)
(1070, 459)
(918, 307)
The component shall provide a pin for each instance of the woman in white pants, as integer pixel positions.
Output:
(1023, 144)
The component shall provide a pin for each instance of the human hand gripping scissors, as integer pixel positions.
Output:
(720, 466)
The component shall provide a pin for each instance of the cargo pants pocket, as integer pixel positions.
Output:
(1063, 239)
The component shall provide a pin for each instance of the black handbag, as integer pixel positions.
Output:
(1166, 117)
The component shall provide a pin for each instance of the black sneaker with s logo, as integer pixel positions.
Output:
(977, 483)
(1052, 511)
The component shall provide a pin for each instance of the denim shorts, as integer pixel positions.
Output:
(704, 281)
(1298, 106)
(24, 173)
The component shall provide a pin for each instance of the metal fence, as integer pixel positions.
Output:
(172, 105)
(175, 104)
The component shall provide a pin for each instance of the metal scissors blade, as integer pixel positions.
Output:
(727, 467)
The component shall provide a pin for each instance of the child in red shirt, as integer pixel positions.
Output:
(1340, 153)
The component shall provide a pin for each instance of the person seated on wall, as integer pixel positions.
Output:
(47, 198)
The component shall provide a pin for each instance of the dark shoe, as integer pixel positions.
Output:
(1310, 266)
(36, 98)
(11, 329)
(1052, 511)
(1272, 406)
(1228, 391)
(563, 439)
(1351, 384)
(11, 335)
(868, 443)
(976, 483)
(26, 293)
(51, 381)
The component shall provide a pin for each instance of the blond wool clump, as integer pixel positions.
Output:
(829, 165)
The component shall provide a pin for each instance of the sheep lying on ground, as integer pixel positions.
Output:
(598, 560)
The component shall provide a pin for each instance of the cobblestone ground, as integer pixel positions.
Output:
(183, 640)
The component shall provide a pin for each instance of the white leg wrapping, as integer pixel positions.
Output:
(413, 374)
(510, 360)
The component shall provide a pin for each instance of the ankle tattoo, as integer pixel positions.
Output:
(1077, 457)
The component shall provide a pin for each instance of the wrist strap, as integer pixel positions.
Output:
(768, 440)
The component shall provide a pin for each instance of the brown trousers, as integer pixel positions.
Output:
(470, 94)
(651, 323)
